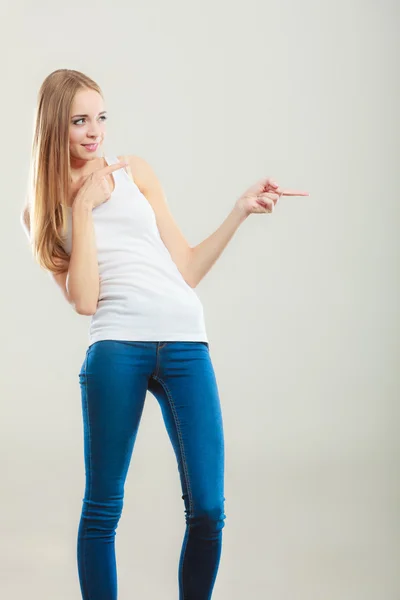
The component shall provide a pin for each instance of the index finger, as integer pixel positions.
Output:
(110, 168)
(291, 192)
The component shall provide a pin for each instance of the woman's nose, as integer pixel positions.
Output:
(94, 131)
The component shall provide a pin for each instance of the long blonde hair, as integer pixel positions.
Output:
(47, 197)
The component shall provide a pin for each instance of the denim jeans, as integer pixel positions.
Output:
(114, 379)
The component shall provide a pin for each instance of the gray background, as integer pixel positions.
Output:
(301, 308)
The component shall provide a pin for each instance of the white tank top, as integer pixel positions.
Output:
(143, 296)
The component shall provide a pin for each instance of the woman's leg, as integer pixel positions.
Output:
(184, 383)
(114, 379)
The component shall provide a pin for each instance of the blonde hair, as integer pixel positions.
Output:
(45, 213)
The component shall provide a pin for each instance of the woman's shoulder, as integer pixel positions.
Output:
(139, 168)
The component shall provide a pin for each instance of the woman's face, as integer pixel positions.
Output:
(87, 125)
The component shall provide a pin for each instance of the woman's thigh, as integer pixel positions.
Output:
(113, 379)
(185, 386)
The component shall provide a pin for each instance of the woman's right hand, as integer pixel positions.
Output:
(94, 189)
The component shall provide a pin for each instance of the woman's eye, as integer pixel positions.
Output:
(103, 117)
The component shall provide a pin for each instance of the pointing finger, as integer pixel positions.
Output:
(110, 168)
(291, 192)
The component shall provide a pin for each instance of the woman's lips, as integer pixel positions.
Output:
(90, 147)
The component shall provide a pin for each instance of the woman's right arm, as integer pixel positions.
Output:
(82, 279)
(80, 283)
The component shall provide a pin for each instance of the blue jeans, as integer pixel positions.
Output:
(114, 379)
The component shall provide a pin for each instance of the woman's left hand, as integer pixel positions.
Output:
(263, 196)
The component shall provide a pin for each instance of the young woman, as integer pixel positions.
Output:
(101, 226)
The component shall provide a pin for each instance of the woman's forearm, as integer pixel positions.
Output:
(205, 254)
(83, 272)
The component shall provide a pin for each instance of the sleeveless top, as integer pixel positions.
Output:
(143, 296)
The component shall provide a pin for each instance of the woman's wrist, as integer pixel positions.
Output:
(81, 204)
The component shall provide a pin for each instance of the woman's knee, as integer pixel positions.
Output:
(102, 514)
(208, 519)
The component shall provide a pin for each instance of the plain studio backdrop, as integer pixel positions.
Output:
(301, 308)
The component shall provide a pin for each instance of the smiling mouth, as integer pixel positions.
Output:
(91, 146)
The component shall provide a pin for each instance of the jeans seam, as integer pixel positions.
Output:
(89, 467)
(171, 402)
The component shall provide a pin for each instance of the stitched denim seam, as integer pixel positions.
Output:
(171, 401)
(89, 465)
(158, 357)
(179, 435)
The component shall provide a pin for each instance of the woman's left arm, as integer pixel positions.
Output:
(195, 262)
(205, 254)
(259, 198)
